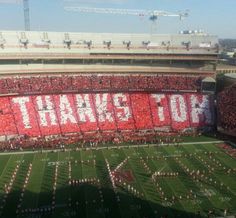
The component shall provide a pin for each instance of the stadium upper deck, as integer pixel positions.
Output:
(35, 43)
(57, 83)
(54, 52)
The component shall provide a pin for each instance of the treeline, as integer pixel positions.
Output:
(228, 43)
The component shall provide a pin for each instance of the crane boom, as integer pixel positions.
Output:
(151, 13)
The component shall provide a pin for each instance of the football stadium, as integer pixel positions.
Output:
(115, 125)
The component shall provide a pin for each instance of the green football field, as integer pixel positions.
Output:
(167, 181)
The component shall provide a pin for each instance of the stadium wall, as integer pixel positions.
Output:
(45, 115)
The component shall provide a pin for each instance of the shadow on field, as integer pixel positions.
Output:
(221, 136)
(85, 201)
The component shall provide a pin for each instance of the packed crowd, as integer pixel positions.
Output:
(92, 140)
(73, 83)
(85, 113)
(227, 109)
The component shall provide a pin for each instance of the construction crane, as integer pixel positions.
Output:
(152, 14)
(26, 15)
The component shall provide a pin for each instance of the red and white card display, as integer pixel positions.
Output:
(44, 115)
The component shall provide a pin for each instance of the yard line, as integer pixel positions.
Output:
(167, 183)
(118, 206)
(8, 162)
(4, 161)
(13, 199)
(100, 171)
(210, 201)
(138, 182)
(41, 181)
(181, 183)
(86, 208)
(102, 204)
(5, 166)
(110, 147)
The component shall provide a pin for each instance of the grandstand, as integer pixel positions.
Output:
(63, 83)
(227, 104)
(112, 125)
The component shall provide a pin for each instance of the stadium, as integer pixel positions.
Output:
(115, 125)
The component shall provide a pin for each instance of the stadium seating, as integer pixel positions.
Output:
(101, 82)
(81, 83)
(227, 109)
(96, 114)
(97, 108)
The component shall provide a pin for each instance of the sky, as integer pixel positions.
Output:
(216, 17)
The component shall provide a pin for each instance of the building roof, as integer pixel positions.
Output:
(209, 80)
(13, 42)
(231, 75)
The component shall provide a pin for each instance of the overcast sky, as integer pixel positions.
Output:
(213, 16)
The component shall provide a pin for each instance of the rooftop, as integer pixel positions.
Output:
(231, 75)
(15, 42)
(28, 69)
